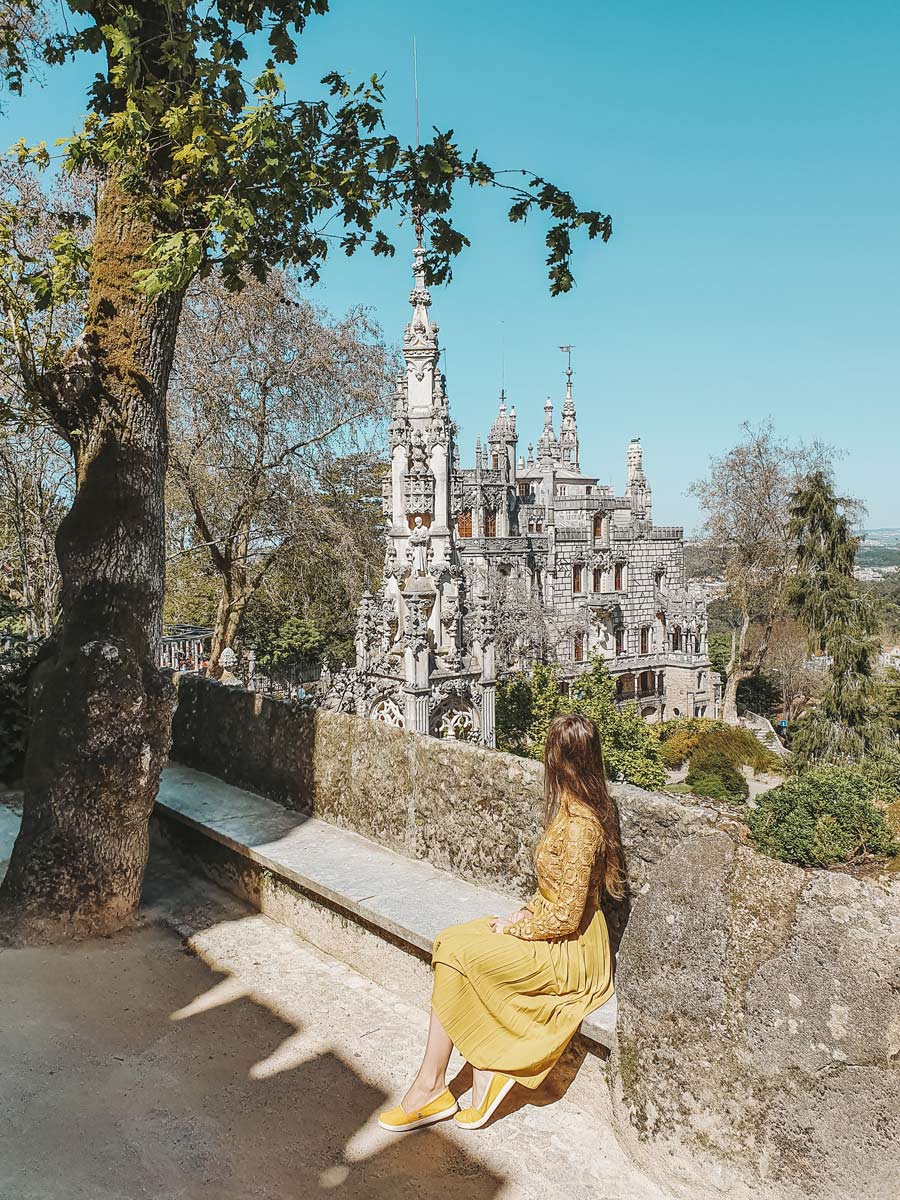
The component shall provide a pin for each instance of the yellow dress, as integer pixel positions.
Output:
(510, 1002)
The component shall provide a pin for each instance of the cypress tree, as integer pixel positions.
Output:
(839, 618)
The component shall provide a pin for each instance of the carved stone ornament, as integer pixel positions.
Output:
(388, 711)
(418, 493)
(455, 719)
(415, 627)
(484, 625)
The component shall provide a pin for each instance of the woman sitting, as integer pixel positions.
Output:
(510, 993)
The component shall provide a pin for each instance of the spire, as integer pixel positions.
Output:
(420, 340)
(568, 430)
(637, 480)
(548, 446)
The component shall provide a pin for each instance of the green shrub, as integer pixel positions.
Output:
(821, 817)
(527, 703)
(679, 739)
(710, 785)
(882, 775)
(713, 774)
(683, 739)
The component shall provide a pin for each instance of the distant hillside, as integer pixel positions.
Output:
(881, 548)
(884, 537)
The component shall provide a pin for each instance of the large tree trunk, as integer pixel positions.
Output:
(729, 697)
(101, 709)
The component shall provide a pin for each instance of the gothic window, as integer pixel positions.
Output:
(598, 525)
(490, 522)
(645, 639)
(579, 647)
(619, 577)
(454, 719)
(597, 580)
(620, 639)
(676, 638)
(701, 681)
(464, 523)
(495, 462)
(588, 490)
(646, 683)
(387, 711)
(576, 578)
(539, 527)
(522, 487)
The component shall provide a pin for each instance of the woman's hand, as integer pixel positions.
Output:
(501, 924)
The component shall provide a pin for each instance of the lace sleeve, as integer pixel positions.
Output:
(562, 916)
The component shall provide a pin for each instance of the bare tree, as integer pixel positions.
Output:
(746, 500)
(36, 483)
(273, 406)
(527, 631)
(37, 322)
(787, 661)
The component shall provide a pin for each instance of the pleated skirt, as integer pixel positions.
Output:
(512, 1006)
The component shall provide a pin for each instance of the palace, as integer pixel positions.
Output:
(469, 549)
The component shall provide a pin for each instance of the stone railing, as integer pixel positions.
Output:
(759, 1004)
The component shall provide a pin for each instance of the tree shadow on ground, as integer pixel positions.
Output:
(104, 1095)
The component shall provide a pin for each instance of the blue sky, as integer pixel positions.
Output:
(749, 157)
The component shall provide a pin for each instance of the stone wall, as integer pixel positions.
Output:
(759, 1029)
(464, 808)
(759, 1005)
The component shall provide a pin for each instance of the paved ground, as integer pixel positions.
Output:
(242, 1065)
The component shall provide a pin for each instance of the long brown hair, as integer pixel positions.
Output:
(573, 768)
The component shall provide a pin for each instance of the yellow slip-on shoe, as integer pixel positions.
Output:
(474, 1118)
(398, 1120)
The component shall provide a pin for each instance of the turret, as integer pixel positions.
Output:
(503, 438)
(548, 446)
(637, 488)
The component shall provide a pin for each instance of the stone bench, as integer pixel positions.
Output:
(377, 910)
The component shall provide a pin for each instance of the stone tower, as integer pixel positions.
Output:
(418, 665)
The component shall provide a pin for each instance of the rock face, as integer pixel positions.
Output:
(759, 1029)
